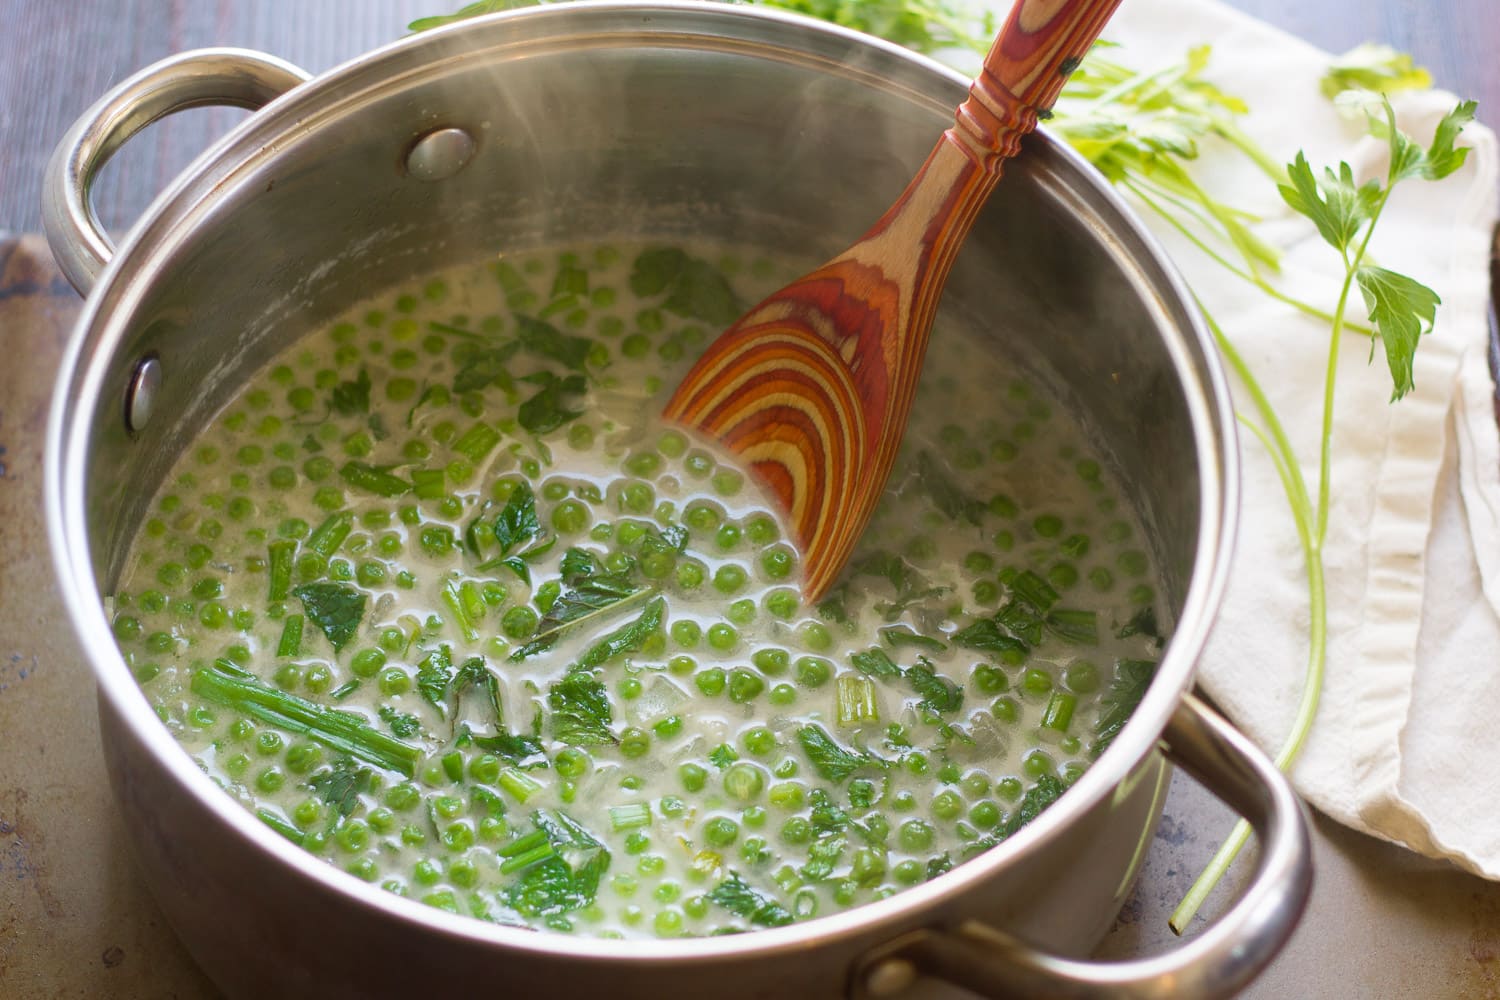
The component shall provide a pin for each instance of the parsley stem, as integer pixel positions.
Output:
(1274, 438)
(1330, 379)
(1141, 190)
(1233, 134)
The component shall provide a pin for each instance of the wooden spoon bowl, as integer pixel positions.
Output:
(812, 387)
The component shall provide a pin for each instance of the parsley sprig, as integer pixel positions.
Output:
(1401, 311)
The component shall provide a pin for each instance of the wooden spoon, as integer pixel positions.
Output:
(812, 387)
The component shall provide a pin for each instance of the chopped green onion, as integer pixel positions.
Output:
(629, 817)
(427, 484)
(331, 534)
(1059, 711)
(856, 700)
(519, 784)
(282, 555)
(368, 477)
(526, 859)
(477, 442)
(290, 643)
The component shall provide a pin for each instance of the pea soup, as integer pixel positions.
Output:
(440, 599)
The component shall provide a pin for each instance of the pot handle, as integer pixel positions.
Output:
(235, 77)
(1217, 963)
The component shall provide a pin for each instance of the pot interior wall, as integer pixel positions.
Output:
(620, 135)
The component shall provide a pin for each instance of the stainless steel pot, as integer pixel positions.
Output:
(605, 121)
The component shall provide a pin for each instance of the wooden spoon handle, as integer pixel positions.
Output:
(1041, 43)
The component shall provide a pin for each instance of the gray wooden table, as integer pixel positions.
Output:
(75, 920)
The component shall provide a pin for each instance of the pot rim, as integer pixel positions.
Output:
(174, 216)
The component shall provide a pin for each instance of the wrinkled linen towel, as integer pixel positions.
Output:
(1405, 745)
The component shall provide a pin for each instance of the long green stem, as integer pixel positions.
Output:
(226, 684)
(1311, 540)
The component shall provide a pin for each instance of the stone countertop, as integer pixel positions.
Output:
(76, 920)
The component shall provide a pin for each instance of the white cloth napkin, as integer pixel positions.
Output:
(1406, 743)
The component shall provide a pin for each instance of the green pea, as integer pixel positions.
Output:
(271, 779)
(782, 604)
(796, 830)
(727, 482)
(1081, 676)
(692, 776)
(698, 464)
(723, 636)
(787, 795)
(570, 517)
(813, 671)
(635, 742)
(287, 676)
(643, 464)
(771, 661)
(946, 805)
(571, 762)
(1005, 709)
(581, 437)
(638, 498)
(630, 688)
(394, 681)
(816, 637)
(463, 873)
(783, 694)
(778, 563)
(371, 574)
(1037, 764)
(711, 681)
(519, 622)
(317, 678)
(690, 575)
(729, 578)
(458, 836)
(743, 781)
(728, 536)
(989, 680)
(1062, 575)
(686, 633)
(657, 565)
(744, 685)
(127, 628)
(1036, 681)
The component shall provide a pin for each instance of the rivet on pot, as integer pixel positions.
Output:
(140, 395)
(440, 154)
(890, 977)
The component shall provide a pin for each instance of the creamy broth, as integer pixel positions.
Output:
(440, 599)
